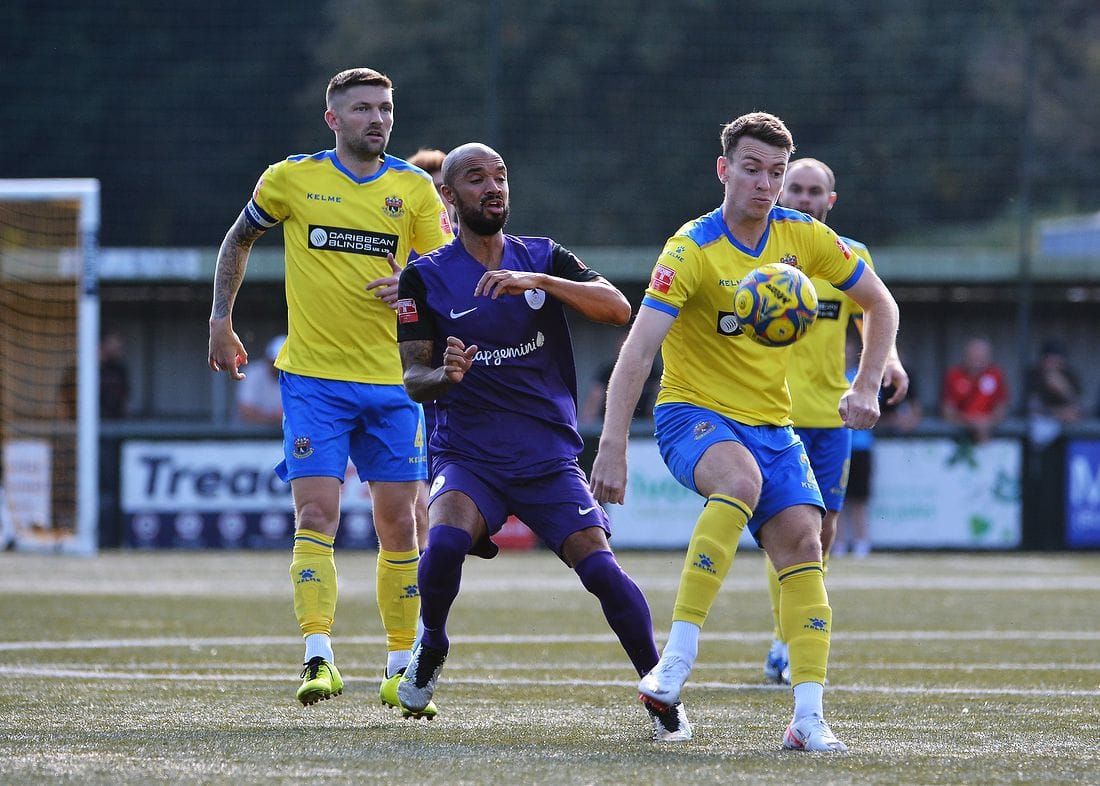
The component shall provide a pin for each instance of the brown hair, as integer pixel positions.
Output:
(768, 128)
(353, 77)
(429, 159)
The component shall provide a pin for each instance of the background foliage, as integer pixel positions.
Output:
(608, 113)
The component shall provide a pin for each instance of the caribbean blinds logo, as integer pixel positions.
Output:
(352, 241)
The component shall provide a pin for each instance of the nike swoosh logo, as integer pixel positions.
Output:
(586, 511)
(457, 314)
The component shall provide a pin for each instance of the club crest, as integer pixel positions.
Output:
(395, 207)
(535, 298)
(303, 448)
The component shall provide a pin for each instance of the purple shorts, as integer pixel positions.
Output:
(553, 505)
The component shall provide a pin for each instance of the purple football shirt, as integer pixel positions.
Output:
(516, 408)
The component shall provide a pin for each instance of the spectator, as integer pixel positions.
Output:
(114, 382)
(258, 397)
(1054, 395)
(431, 161)
(975, 395)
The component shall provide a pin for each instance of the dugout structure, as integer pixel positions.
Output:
(49, 369)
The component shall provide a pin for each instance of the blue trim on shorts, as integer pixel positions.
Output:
(830, 451)
(686, 431)
(326, 422)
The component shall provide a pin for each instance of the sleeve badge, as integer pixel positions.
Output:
(662, 278)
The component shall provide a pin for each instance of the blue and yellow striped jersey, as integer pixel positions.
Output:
(708, 361)
(337, 230)
(816, 374)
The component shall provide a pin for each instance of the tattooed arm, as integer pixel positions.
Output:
(424, 383)
(226, 350)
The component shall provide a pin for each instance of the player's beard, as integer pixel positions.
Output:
(365, 148)
(477, 222)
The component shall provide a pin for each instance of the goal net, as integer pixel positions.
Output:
(49, 370)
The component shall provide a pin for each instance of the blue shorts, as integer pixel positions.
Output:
(685, 432)
(830, 450)
(326, 422)
(553, 505)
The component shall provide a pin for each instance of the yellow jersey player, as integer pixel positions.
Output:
(350, 217)
(723, 414)
(816, 378)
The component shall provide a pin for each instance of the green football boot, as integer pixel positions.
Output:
(388, 693)
(320, 681)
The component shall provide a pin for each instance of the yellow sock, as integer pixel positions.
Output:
(806, 619)
(709, 557)
(398, 596)
(773, 593)
(313, 573)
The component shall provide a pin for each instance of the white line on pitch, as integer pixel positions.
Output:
(510, 639)
(482, 666)
(568, 683)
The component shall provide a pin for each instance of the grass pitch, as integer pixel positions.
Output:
(182, 667)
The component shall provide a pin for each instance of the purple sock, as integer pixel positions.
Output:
(439, 575)
(624, 606)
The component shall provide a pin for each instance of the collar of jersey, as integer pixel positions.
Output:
(752, 252)
(331, 154)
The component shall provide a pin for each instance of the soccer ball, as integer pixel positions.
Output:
(775, 304)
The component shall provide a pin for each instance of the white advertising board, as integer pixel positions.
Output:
(27, 483)
(658, 512)
(214, 476)
(215, 494)
(939, 493)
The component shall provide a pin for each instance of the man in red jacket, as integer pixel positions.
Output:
(975, 395)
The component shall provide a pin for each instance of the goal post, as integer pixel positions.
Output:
(49, 364)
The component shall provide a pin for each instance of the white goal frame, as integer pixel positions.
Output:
(85, 191)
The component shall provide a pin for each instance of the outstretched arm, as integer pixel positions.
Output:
(597, 299)
(226, 350)
(623, 391)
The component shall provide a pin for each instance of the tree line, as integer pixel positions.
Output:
(607, 113)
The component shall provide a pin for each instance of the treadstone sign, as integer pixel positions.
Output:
(1083, 494)
(940, 493)
(216, 494)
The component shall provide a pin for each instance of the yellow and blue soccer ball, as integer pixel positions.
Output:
(775, 304)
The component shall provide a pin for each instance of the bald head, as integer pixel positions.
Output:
(471, 155)
(813, 163)
(475, 181)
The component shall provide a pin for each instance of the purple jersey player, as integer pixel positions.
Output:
(482, 332)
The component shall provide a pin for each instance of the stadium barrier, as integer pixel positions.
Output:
(199, 489)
